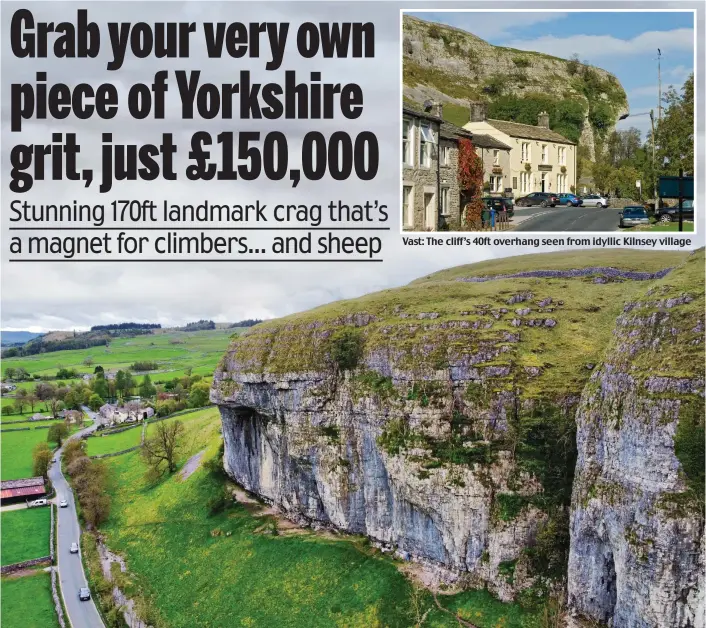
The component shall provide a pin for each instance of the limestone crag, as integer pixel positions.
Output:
(636, 556)
(444, 420)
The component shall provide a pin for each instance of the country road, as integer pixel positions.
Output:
(71, 574)
(590, 219)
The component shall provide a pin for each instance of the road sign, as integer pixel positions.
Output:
(638, 184)
(669, 187)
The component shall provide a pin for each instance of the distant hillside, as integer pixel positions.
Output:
(455, 67)
(8, 338)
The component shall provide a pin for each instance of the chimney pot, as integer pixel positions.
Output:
(543, 120)
(434, 108)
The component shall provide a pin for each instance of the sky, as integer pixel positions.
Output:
(46, 296)
(623, 43)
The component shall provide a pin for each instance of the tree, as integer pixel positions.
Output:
(160, 451)
(56, 405)
(10, 373)
(88, 361)
(74, 449)
(32, 399)
(147, 389)
(73, 399)
(45, 392)
(601, 173)
(198, 397)
(675, 133)
(95, 402)
(100, 386)
(98, 369)
(20, 403)
(41, 457)
(57, 433)
(120, 385)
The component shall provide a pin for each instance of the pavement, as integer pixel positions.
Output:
(589, 219)
(12, 507)
(70, 566)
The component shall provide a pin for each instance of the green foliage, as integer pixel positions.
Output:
(675, 133)
(346, 347)
(509, 505)
(565, 116)
(396, 436)
(144, 366)
(521, 62)
(507, 569)
(550, 553)
(377, 384)
(332, 432)
(689, 445)
(199, 395)
(57, 433)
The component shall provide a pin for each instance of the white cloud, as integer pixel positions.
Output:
(490, 25)
(601, 46)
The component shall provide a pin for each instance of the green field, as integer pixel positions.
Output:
(27, 602)
(174, 351)
(25, 534)
(16, 449)
(99, 445)
(194, 574)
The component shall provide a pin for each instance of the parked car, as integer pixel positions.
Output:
(543, 199)
(500, 204)
(37, 502)
(63, 503)
(595, 200)
(84, 594)
(633, 215)
(570, 200)
(74, 548)
(671, 214)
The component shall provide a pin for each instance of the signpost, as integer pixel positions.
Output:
(680, 187)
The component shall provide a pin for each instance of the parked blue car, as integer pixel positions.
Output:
(570, 200)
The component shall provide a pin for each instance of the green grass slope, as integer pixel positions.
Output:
(195, 569)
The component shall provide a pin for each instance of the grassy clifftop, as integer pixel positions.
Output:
(544, 333)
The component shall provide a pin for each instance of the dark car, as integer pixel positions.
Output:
(671, 214)
(500, 204)
(543, 199)
(570, 200)
(84, 594)
(633, 215)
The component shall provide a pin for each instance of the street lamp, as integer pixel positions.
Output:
(650, 113)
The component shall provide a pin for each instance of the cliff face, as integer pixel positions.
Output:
(637, 509)
(453, 67)
(438, 419)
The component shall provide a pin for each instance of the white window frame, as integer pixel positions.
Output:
(526, 152)
(444, 155)
(427, 140)
(496, 183)
(525, 182)
(408, 207)
(445, 204)
(545, 154)
(562, 155)
(496, 157)
(408, 143)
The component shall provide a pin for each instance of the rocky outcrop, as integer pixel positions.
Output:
(438, 420)
(452, 66)
(637, 524)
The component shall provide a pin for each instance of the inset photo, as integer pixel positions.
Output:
(545, 121)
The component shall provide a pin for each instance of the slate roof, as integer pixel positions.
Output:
(419, 112)
(450, 131)
(488, 141)
(528, 131)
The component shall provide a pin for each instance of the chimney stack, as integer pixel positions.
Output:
(433, 108)
(479, 111)
(543, 120)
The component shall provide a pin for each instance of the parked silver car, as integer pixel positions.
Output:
(84, 594)
(595, 200)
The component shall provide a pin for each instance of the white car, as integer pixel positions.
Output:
(38, 502)
(595, 200)
(74, 548)
(63, 503)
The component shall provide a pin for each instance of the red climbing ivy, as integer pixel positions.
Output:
(470, 181)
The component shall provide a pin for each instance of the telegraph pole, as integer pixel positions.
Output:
(654, 171)
(659, 83)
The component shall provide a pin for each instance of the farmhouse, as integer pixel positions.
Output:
(110, 414)
(12, 491)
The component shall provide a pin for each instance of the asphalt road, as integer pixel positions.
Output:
(567, 219)
(71, 575)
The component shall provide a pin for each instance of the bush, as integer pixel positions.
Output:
(346, 348)
(144, 366)
(689, 445)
